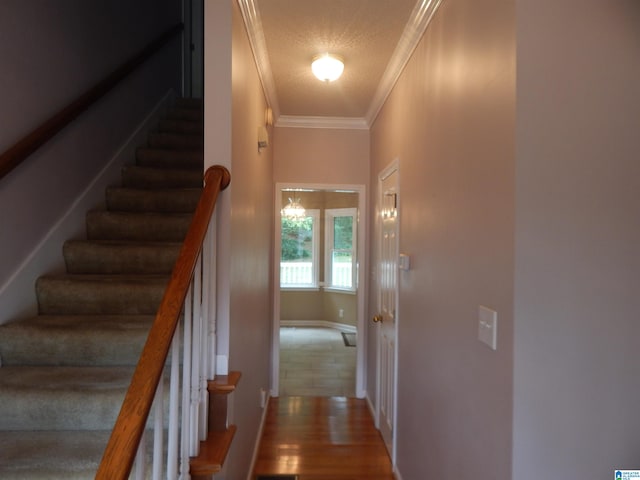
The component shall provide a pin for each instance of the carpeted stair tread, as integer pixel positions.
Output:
(100, 294)
(175, 141)
(169, 200)
(51, 455)
(64, 372)
(61, 398)
(150, 226)
(118, 257)
(134, 176)
(163, 158)
(74, 340)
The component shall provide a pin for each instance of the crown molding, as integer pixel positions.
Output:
(344, 123)
(418, 22)
(253, 25)
(414, 30)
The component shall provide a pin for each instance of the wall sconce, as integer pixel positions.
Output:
(263, 133)
(263, 138)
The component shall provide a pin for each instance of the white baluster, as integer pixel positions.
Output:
(141, 458)
(158, 430)
(186, 389)
(174, 408)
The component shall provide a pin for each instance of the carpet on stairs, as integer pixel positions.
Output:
(65, 371)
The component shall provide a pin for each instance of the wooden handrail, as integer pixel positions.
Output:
(24, 147)
(122, 447)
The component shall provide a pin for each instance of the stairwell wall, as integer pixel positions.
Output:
(51, 53)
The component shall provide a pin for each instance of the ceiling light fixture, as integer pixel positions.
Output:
(293, 210)
(327, 67)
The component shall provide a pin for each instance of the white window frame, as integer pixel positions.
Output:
(315, 256)
(329, 215)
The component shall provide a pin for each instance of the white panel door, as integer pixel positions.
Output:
(387, 281)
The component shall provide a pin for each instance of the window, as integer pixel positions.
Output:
(340, 248)
(299, 251)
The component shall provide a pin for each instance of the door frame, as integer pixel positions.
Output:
(361, 276)
(393, 167)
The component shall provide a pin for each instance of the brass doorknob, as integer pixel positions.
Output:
(377, 318)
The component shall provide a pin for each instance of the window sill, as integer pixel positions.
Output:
(347, 291)
(299, 289)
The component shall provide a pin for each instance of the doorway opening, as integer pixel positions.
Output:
(319, 291)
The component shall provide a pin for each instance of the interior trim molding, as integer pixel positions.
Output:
(419, 20)
(417, 24)
(345, 123)
(253, 25)
(343, 327)
(256, 446)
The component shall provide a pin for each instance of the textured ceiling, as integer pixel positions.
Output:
(364, 32)
(375, 38)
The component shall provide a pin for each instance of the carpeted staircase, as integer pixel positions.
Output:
(65, 372)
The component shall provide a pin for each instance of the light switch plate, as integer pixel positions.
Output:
(488, 326)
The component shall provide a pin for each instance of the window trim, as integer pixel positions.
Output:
(315, 255)
(329, 215)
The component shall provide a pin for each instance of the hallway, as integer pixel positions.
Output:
(321, 438)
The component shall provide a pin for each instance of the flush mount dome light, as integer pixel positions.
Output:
(327, 67)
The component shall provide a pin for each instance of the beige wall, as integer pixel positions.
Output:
(315, 155)
(450, 123)
(318, 305)
(577, 369)
(246, 216)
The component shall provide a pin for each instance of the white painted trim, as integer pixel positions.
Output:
(222, 365)
(341, 123)
(393, 167)
(419, 20)
(362, 281)
(343, 327)
(17, 293)
(253, 25)
(372, 408)
(417, 24)
(256, 446)
(396, 473)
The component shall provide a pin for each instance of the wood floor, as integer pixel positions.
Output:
(322, 438)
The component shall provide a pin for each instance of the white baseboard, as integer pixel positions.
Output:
(256, 447)
(17, 295)
(343, 327)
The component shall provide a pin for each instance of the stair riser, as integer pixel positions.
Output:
(176, 141)
(62, 410)
(64, 296)
(38, 410)
(139, 227)
(190, 114)
(91, 257)
(143, 177)
(72, 348)
(162, 201)
(177, 159)
(181, 126)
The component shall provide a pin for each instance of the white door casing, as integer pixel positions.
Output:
(387, 293)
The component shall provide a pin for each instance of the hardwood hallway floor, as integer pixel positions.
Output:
(322, 438)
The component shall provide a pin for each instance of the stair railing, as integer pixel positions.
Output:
(17, 153)
(188, 292)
